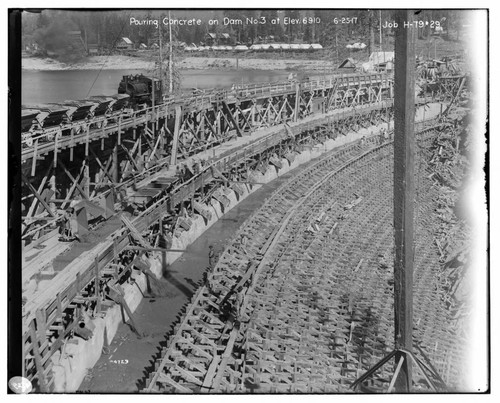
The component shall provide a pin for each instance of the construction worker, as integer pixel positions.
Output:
(385, 134)
(211, 257)
(64, 227)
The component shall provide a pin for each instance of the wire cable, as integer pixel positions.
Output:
(112, 47)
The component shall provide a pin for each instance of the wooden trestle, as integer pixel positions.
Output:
(128, 166)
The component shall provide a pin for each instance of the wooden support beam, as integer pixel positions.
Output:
(175, 140)
(232, 119)
(37, 195)
(75, 181)
(34, 203)
(153, 151)
(134, 232)
(404, 192)
(86, 178)
(56, 148)
(105, 172)
(116, 175)
(97, 281)
(143, 249)
(71, 148)
(41, 322)
(87, 140)
(132, 160)
(42, 381)
(104, 169)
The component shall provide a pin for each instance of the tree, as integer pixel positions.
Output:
(292, 30)
(307, 34)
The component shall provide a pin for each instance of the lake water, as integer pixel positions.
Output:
(58, 86)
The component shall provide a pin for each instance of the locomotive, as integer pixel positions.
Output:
(142, 90)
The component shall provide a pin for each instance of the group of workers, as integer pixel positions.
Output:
(186, 172)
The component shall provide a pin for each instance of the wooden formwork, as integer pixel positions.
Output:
(333, 125)
(283, 312)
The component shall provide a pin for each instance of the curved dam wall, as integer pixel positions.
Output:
(77, 356)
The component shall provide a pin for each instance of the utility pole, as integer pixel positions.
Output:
(337, 47)
(380, 29)
(404, 198)
(160, 54)
(372, 33)
(170, 78)
(404, 194)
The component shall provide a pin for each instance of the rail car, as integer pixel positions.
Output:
(45, 121)
(47, 124)
(108, 108)
(28, 120)
(78, 114)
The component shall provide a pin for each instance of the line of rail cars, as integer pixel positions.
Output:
(46, 121)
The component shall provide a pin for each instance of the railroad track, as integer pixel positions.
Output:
(301, 301)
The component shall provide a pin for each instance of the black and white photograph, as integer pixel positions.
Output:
(270, 200)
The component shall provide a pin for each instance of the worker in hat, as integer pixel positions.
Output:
(211, 257)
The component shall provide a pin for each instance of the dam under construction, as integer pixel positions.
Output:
(302, 236)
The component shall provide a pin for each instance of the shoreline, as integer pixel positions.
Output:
(188, 63)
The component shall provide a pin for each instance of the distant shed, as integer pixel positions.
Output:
(125, 44)
(256, 47)
(348, 64)
(381, 57)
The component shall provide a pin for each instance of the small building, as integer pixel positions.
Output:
(143, 46)
(221, 38)
(381, 61)
(377, 58)
(93, 49)
(348, 64)
(125, 44)
(241, 48)
(256, 47)
(178, 44)
(77, 42)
